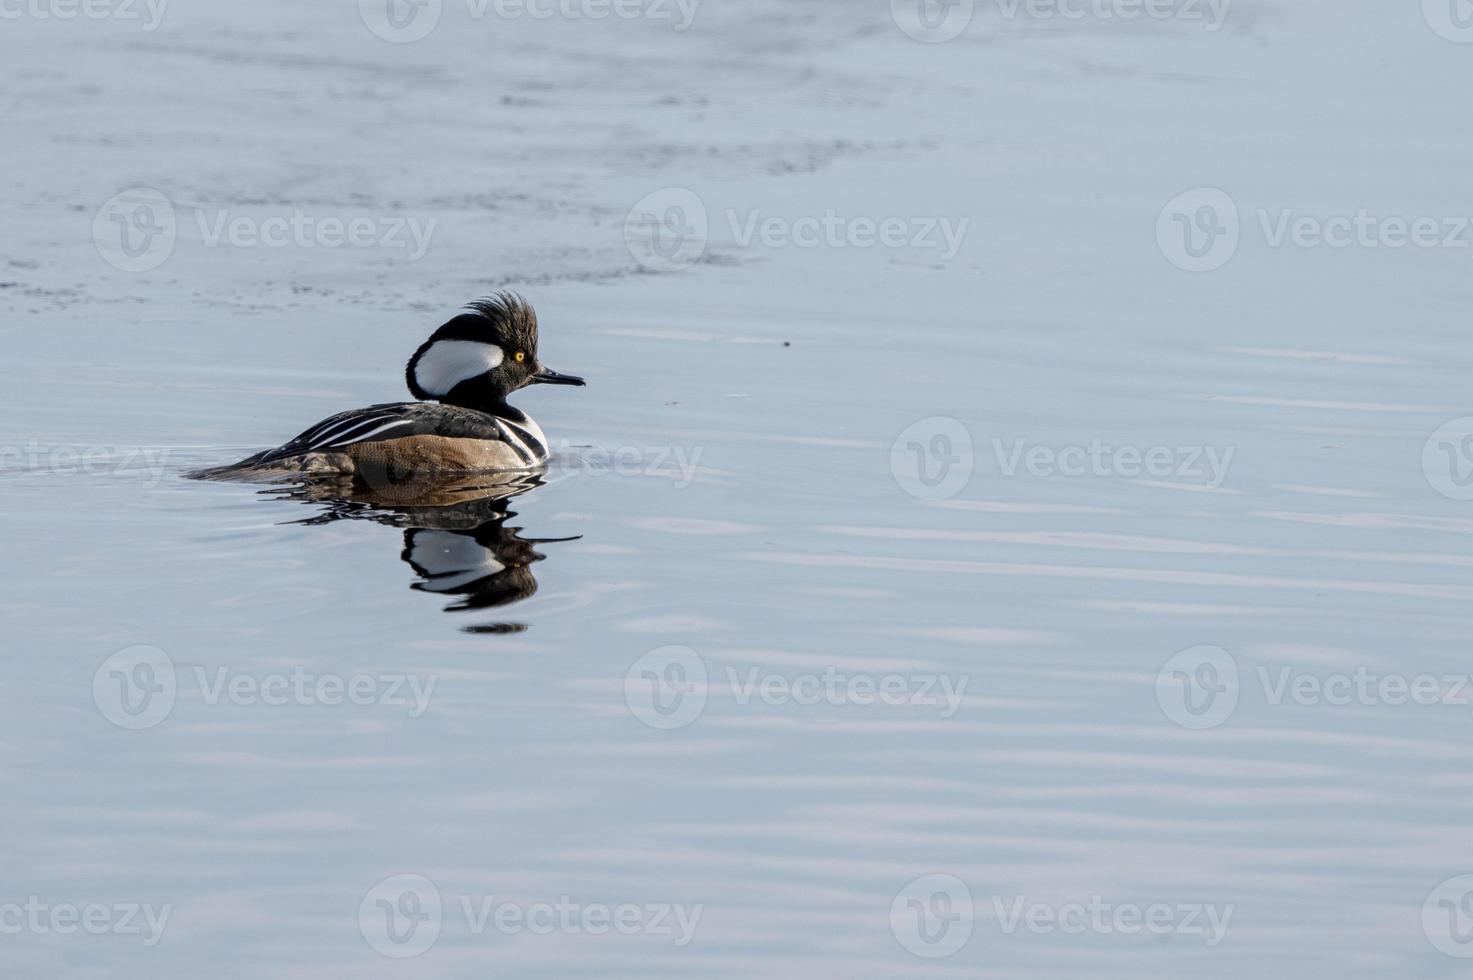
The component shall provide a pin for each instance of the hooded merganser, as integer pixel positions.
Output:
(463, 424)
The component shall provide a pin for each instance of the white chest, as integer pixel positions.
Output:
(527, 435)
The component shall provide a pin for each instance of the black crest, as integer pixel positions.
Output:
(507, 317)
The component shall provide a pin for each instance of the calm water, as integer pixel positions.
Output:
(1035, 606)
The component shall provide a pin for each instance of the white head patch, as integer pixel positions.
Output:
(449, 362)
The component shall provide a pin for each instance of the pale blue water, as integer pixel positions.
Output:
(941, 729)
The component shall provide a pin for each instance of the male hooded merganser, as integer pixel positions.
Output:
(463, 373)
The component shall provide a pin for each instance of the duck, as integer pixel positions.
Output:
(460, 423)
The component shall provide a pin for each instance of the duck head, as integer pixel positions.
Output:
(481, 356)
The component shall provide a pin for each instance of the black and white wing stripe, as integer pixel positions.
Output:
(394, 421)
(353, 430)
(347, 428)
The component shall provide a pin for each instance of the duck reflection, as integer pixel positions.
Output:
(456, 536)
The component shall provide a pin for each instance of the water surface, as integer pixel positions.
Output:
(909, 671)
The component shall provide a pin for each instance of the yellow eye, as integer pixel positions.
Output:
(520, 356)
